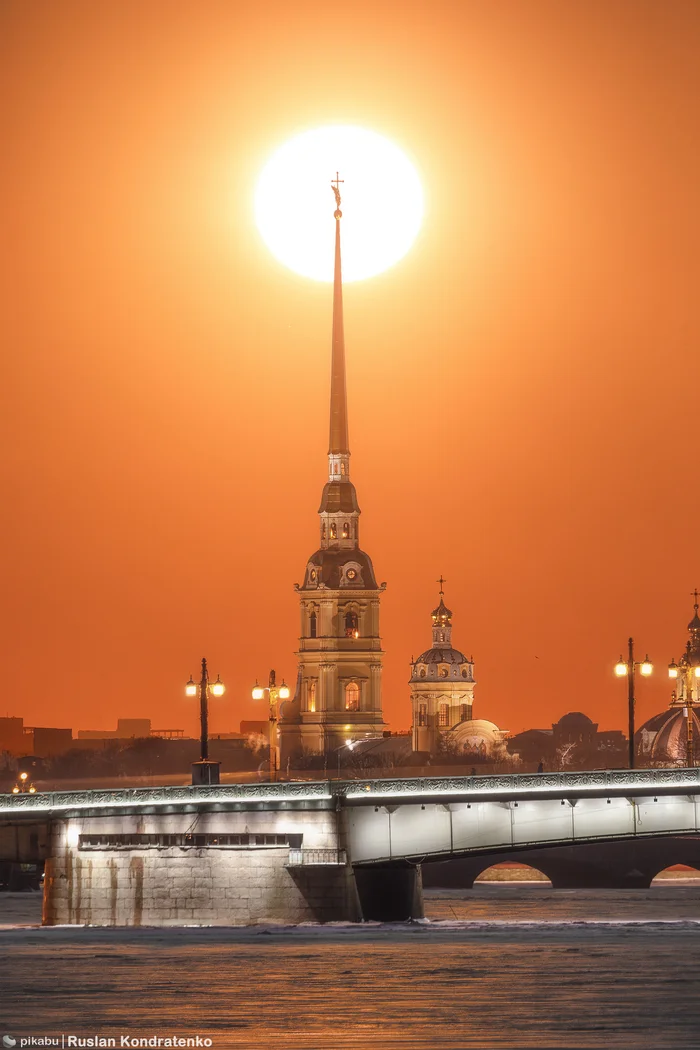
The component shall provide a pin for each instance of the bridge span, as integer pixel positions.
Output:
(324, 850)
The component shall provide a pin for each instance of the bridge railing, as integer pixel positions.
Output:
(613, 781)
(302, 857)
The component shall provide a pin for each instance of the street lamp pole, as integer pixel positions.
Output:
(274, 693)
(628, 668)
(204, 771)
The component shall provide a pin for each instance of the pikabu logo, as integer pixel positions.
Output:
(7, 1040)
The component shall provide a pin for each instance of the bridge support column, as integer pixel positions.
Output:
(390, 894)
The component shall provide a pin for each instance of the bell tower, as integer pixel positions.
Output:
(339, 686)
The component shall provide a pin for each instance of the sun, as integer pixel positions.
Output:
(382, 202)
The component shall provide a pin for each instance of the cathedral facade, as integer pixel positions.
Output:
(339, 683)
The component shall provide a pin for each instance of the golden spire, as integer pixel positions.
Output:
(338, 442)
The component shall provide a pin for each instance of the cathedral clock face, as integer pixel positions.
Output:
(312, 576)
(351, 574)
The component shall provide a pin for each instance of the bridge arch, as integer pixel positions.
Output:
(511, 871)
(671, 873)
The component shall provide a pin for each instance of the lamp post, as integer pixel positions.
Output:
(688, 675)
(623, 668)
(22, 787)
(274, 693)
(204, 771)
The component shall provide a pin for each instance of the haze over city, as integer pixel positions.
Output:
(519, 384)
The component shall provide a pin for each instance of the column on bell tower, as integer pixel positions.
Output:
(340, 654)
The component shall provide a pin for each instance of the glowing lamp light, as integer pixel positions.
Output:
(258, 691)
(673, 669)
(32, 789)
(356, 633)
(191, 688)
(621, 668)
(697, 672)
(646, 667)
(284, 691)
(23, 776)
(218, 688)
(15, 790)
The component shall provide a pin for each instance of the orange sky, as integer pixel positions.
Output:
(522, 386)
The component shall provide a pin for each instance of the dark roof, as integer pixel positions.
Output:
(329, 564)
(441, 611)
(575, 718)
(442, 656)
(339, 497)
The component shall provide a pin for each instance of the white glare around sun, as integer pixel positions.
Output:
(382, 203)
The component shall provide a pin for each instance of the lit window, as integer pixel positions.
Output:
(312, 697)
(352, 696)
(444, 715)
(346, 530)
(351, 625)
(334, 531)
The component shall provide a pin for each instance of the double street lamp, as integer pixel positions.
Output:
(274, 693)
(628, 667)
(204, 771)
(22, 787)
(688, 674)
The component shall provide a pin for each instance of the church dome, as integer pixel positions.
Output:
(442, 612)
(442, 656)
(663, 736)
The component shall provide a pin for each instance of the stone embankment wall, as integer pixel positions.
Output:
(94, 876)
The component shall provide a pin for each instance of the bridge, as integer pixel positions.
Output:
(325, 850)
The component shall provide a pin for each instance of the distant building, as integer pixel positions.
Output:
(12, 738)
(127, 729)
(442, 697)
(49, 742)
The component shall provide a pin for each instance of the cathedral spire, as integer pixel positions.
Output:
(338, 446)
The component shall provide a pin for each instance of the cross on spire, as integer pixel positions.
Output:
(335, 183)
(695, 596)
(441, 581)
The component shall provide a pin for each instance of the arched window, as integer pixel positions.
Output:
(465, 673)
(312, 625)
(346, 530)
(422, 714)
(334, 531)
(351, 625)
(342, 467)
(312, 696)
(352, 696)
(323, 531)
(422, 672)
(463, 712)
(443, 672)
(444, 715)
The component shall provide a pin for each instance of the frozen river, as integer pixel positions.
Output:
(505, 966)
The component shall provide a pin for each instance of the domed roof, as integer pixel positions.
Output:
(670, 733)
(575, 718)
(442, 656)
(442, 612)
(334, 568)
(694, 624)
(339, 497)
